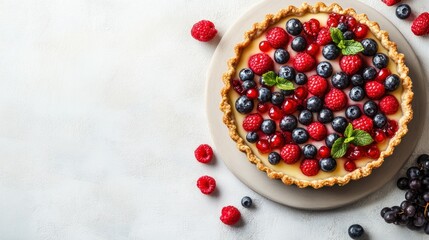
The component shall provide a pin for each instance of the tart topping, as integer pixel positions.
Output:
(309, 167)
(261, 63)
(304, 62)
(356, 137)
(277, 37)
(290, 153)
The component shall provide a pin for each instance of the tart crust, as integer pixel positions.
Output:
(383, 37)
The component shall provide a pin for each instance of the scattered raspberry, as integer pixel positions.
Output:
(390, 2)
(317, 85)
(304, 62)
(261, 63)
(203, 31)
(277, 37)
(389, 105)
(324, 36)
(350, 166)
(312, 27)
(206, 184)
(309, 167)
(203, 153)
(374, 90)
(230, 215)
(351, 64)
(363, 123)
(335, 99)
(290, 153)
(252, 122)
(317, 131)
(420, 25)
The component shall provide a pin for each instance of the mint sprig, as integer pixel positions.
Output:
(348, 47)
(354, 136)
(271, 79)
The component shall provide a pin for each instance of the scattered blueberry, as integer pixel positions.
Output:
(380, 60)
(353, 112)
(246, 74)
(277, 98)
(330, 139)
(248, 84)
(314, 104)
(305, 117)
(357, 93)
(268, 126)
(339, 124)
(252, 137)
(392, 82)
(299, 44)
(380, 120)
(246, 202)
(281, 56)
(342, 27)
(370, 108)
(324, 69)
(369, 73)
(328, 164)
(300, 135)
(264, 95)
(309, 151)
(370, 47)
(274, 158)
(294, 26)
(357, 80)
(244, 105)
(325, 116)
(403, 11)
(356, 231)
(301, 79)
(288, 123)
(340, 80)
(348, 35)
(331, 51)
(287, 72)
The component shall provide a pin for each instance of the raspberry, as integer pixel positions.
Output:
(363, 123)
(317, 85)
(203, 31)
(324, 36)
(420, 25)
(351, 64)
(350, 166)
(252, 122)
(261, 63)
(230, 215)
(203, 153)
(312, 27)
(277, 37)
(333, 20)
(206, 184)
(290, 153)
(309, 167)
(390, 2)
(304, 62)
(335, 99)
(389, 105)
(317, 131)
(374, 90)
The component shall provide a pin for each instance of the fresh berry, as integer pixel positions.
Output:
(324, 152)
(348, 35)
(391, 128)
(335, 100)
(248, 84)
(379, 136)
(342, 27)
(244, 105)
(261, 63)
(287, 72)
(277, 140)
(290, 153)
(324, 37)
(324, 69)
(356, 231)
(312, 27)
(357, 80)
(317, 131)
(299, 135)
(301, 92)
(351, 22)
(420, 25)
(380, 60)
(309, 167)
(281, 56)
(230, 215)
(203, 153)
(360, 31)
(252, 93)
(339, 124)
(309, 151)
(289, 106)
(301, 79)
(277, 37)
(350, 64)
(274, 158)
(380, 120)
(355, 152)
(390, 2)
(246, 202)
(357, 93)
(252, 122)
(317, 85)
(264, 95)
(403, 11)
(373, 152)
(237, 86)
(277, 98)
(353, 112)
(340, 80)
(305, 117)
(314, 104)
(392, 82)
(246, 74)
(325, 116)
(294, 26)
(369, 73)
(331, 51)
(333, 19)
(263, 146)
(389, 105)
(268, 126)
(328, 164)
(370, 108)
(382, 75)
(304, 62)
(299, 44)
(313, 49)
(288, 123)
(330, 139)
(349, 166)
(370, 47)
(206, 184)
(363, 123)
(252, 137)
(264, 46)
(262, 107)
(203, 31)
(374, 90)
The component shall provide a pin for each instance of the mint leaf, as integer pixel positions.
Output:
(362, 138)
(339, 148)
(280, 80)
(349, 131)
(288, 85)
(349, 139)
(336, 35)
(341, 44)
(351, 47)
(269, 78)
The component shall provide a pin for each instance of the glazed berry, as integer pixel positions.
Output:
(268, 126)
(333, 20)
(349, 166)
(388, 105)
(274, 158)
(369, 73)
(350, 64)
(288, 123)
(403, 11)
(275, 113)
(312, 27)
(348, 35)
(289, 106)
(252, 137)
(324, 152)
(264, 46)
(370, 47)
(246, 74)
(260, 63)
(363, 123)
(290, 153)
(314, 104)
(300, 78)
(230, 215)
(301, 92)
(331, 51)
(328, 164)
(252, 93)
(309, 151)
(317, 85)
(281, 56)
(312, 49)
(277, 98)
(370, 108)
(357, 93)
(294, 26)
(204, 153)
(252, 122)
(330, 139)
(277, 37)
(203, 31)
(324, 36)
(356, 231)
(374, 90)
(206, 184)
(262, 107)
(246, 202)
(248, 84)
(420, 25)
(392, 82)
(305, 117)
(244, 105)
(342, 27)
(304, 62)
(300, 135)
(276, 140)
(380, 120)
(340, 80)
(317, 131)
(382, 75)
(325, 116)
(339, 124)
(380, 60)
(335, 100)
(287, 72)
(379, 136)
(373, 152)
(353, 112)
(324, 69)
(357, 80)
(360, 31)
(299, 44)
(264, 95)
(309, 167)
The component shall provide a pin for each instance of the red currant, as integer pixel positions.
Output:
(373, 152)
(275, 113)
(379, 136)
(382, 75)
(360, 31)
(351, 22)
(355, 153)
(262, 107)
(313, 49)
(252, 93)
(392, 127)
(277, 140)
(263, 146)
(350, 166)
(301, 93)
(290, 106)
(264, 46)
(324, 152)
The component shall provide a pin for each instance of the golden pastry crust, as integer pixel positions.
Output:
(383, 36)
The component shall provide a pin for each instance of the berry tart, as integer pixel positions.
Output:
(317, 95)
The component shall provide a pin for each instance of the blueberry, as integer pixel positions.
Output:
(252, 137)
(340, 80)
(300, 78)
(369, 73)
(300, 135)
(339, 124)
(380, 60)
(314, 104)
(244, 105)
(305, 117)
(264, 95)
(325, 116)
(356, 231)
(330, 139)
(331, 51)
(299, 44)
(357, 93)
(294, 26)
(287, 92)
(370, 108)
(342, 27)
(392, 82)
(248, 84)
(288, 123)
(380, 120)
(357, 80)
(268, 126)
(277, 98)
(353, 112)
(281, 56)
(274, 158)
(287, 72)
(246, 202)
(348, 35)
(403, 11)
(324, 69)
(309, 151)
(328, 164)
(370, 47)
(246, 74)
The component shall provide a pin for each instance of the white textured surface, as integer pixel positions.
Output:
(101, 107)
